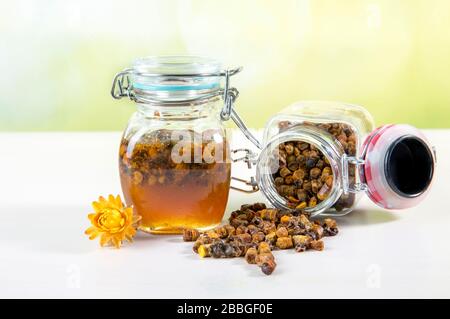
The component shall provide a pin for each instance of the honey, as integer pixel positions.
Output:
(171, 195)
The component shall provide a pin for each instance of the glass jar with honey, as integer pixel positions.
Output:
(174, 157)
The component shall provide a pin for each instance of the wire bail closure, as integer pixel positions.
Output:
(228, 98)
(119, 90)
(248, 158)
(122, 87)
(358, 163)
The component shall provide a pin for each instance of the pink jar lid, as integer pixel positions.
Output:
(399, 165)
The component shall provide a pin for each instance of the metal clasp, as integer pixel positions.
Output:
(121, 85)
(229, 96)
(355, 187)
(250, 159)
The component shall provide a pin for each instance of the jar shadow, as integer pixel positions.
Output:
(360, 217)
(142, 236)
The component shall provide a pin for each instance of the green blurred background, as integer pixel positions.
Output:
(58, 58)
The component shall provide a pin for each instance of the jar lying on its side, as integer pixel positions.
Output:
(174, 154)
(319, 156)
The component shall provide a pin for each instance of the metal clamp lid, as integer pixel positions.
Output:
(122, 86)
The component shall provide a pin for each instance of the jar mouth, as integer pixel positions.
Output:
(409, 166)
(399, 166)
(264, 171)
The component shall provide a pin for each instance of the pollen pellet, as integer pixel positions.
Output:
(323, 192)
(317, 245)
(317, 231)
(190, 234)
(315, 172)
(241, 230)
(284, 242)
(264, 247)
(202, 239)
(268, 227)
(230, 230)
(282, 232)
(268, 214)
(263, 258)
(204, 250)
(285, 172)
(250, 255)
(289, 149)
(268, 267)
(252, 229)
(330, 227)
(301, 242)
(137, 177)
(197, 244)
(299, 174)
(245, 238)
(326, 172)
(329, 181)
(271, 238)
(212, 234)
(221, 232)
(305, 222)
(285, 219)
(258, 237)
(151, 180)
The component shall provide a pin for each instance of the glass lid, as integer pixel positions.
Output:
(176, 65)
(176, 73)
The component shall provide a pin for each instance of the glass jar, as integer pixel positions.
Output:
(320, 156)
(174, 157)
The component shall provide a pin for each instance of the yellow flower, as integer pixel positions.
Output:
(112, 221)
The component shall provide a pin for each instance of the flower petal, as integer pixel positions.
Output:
(97, 206)
(129, 238)
(104, 239)
(111, 199)
(136, 219)
(90, 230)
(116, 242)
(94, 235)
(131, 231)
(119, 201)
(128, 212)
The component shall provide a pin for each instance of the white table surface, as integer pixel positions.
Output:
(48, 181)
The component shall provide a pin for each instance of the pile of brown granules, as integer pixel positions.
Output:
(254, 231)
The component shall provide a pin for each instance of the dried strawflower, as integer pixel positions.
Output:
(112, 221)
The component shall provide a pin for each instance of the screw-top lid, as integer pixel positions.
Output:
(399, 166)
